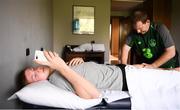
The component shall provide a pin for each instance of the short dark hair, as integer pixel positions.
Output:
(140, 15)
(21, 79)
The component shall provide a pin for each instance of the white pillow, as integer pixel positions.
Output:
(46, 94)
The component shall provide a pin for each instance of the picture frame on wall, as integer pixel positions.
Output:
(83, 19)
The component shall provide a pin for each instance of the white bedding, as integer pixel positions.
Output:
(153, 89)
(46, 94)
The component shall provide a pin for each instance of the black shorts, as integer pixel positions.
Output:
(122, 67)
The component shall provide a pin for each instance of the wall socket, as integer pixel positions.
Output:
(27, 51)
(42, 49)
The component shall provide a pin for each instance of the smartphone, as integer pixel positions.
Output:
(39, 55)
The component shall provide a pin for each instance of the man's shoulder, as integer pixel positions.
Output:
(157, 25)
(133, 34)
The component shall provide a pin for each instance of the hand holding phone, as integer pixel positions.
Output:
(39, 55)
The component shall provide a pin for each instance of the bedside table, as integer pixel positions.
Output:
(97, 56)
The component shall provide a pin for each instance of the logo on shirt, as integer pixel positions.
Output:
(139, 43)
(147, 53)
(152, 42)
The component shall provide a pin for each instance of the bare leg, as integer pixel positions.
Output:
(82, 87)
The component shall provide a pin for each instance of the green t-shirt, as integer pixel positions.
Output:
(150, 46)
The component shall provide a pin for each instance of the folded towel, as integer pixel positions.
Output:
(89, 47)
(83, 47)
(77, 49)
(98, 47)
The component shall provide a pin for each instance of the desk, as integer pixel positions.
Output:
(87, 56)
(97, 56)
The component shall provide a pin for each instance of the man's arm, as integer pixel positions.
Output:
(169, 44)
(143, 66)
(82, 87)
(125, 54)
(167, 55)
(176, 69)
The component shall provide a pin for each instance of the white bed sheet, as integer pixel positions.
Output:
(152, 89)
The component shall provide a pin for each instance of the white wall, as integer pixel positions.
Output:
(62, 20)
(23, 24)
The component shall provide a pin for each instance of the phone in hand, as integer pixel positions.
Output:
(39, 55)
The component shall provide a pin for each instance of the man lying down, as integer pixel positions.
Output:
(86, 79)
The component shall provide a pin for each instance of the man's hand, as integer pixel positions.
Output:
(53, 60)
(75, 61)
(139, 65)
(148, 65)
(144, 65)
(177, 69)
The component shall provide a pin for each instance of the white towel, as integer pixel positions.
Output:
(83, 47)
(98, 47)
(89, 47)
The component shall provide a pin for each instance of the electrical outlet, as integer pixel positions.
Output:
(27, 51)
(42, 49)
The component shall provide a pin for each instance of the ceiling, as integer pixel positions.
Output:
(124, 5)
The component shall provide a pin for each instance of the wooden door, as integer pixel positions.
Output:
(115, 33)
(120, 28)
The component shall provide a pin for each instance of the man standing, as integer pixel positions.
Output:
(151, 43)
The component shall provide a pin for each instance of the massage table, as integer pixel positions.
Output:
(124, 104)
